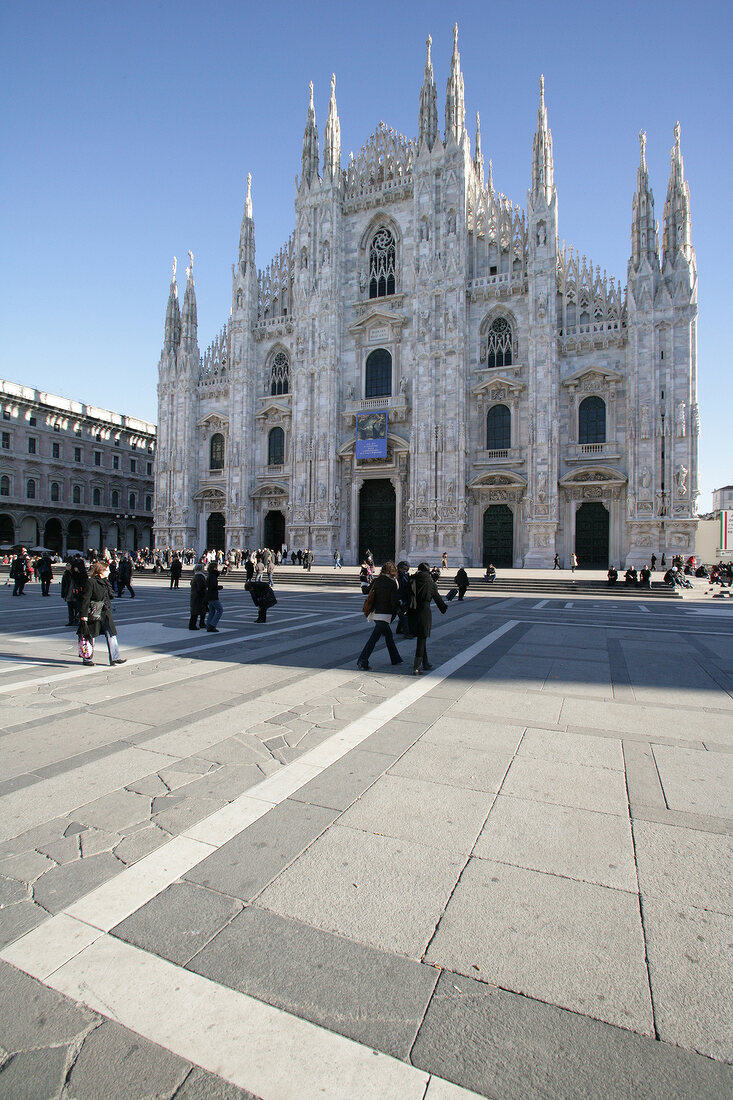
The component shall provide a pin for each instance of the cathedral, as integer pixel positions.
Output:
(422, 368)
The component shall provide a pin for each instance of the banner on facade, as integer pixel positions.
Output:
(371, 434)
(726, 531)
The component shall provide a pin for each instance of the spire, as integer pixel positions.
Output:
(332, 138)
(189, 320)
(455, 106)
(543, 177)
(173, 314)
(247, 233)
(478, 159)
(643, 226)
(310, 143)
(490, 183)
(428, 123)
(677, 222)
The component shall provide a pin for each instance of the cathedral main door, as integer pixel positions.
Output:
(499, 536)
(377, 508)
(274, 530)
(591, 535)
(215, 532)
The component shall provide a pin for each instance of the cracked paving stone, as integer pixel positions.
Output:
(141, 843)
(150, 785)
(232, 752)
(188, 812)
(32, 1015)
(11, 891)
(61, 851)
(200, 1085)
(36, 837)
(117, 1064)
(16, 920)
(74, 828)
(26, 867)
(95, 841)
(33, 1075)
(63, 885)
(175, 779)
(115, 811)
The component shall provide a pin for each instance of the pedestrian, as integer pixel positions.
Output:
(293, 557)
(213, 588)
(556, 562)
(384, 598)
(444, 560)
(654, 562)
(68, 595)
(405, 592)
(262, 597)
(80, 578)
(20, 573)
(461, 582)
(308, 559)
(198, 598)
(249, 568)
(369, 559)
(300, 557)
(573, 562)
(490, 574)
(45, 574)
(336, 559)
(424, 590)
(124, 576)
(176, 570)
(96, 611)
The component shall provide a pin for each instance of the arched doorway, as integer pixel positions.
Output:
(377, 511)
(94, 537)
(499, 536)
(591, 535)
(28, 534)
(53, 536)
(113, 537)
(274, 534)
(75, 536)
(215, 532)
(132, 539)
(7, 530)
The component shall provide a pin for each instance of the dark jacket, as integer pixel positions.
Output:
(420, 618)
(176, 568)
(198, 593)
(96, 589)
(461, 579)
(213, 588)
(386, 595)
(124, 571)
(258, 590)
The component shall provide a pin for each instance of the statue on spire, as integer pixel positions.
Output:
(310, 141)
(428, 120)
(175, 266)
(455, 104)
(332, 138)
(478, 159)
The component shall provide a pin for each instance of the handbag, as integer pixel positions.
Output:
(268, 599)
(86, 642)
(368, 605)
(96, 611)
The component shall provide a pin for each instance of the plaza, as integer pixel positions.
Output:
(239, 867)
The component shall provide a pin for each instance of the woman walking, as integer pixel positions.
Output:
(386, 604)
(420, 617)
(198, 597)
(96, 611)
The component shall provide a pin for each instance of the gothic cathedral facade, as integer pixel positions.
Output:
(534, 407)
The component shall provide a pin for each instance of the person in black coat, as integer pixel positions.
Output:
(124, 577)
(405, 593)
(419, 617)
(213, 588)
(262, 597)
(199, 606)
(176, 570)
(461, 582)
(96, 611)
(44, 570)
(386, 603)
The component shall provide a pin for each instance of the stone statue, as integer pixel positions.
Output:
(403, 384)
(646, 427)
(175, 267)
(349, 392)
(681, 424)
(646, 478)
(681, 479)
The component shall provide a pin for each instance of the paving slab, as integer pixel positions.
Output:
(56, 741)
(34, 1074)
(25, 867)
(668, 856)
(573, 748)
(696, 782)
(481, 733)
(374, 889)
(561, 840)
(117, 1064)
(246, 864)
(32, 1015)
(376, 998)
(140, 843)
(200, 1085)
(479, 769)
(347, 779)
(534, 707)
(179, 921)
(115, 810)
(646, 720)
(514, 1048)
(17, 919)
(178, 815)
(62, 885)
(573, 944)
(567, 784)
(443, 817)
(393, 738)
(690, 966)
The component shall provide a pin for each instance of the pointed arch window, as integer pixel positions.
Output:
(499, 348)
(279, 379)
(276, 447)
(498, 428)
(216, 452)
(592, 420)
(382, 264)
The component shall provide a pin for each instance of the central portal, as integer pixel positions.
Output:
(377, 509)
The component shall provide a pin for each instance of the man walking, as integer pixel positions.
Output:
(213, 588)
(124, 576)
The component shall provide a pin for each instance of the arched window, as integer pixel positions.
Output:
(55, 493)
(279, 375)
(96, 497)
(382, 264)
(592, 421)
(499, 350)
(132, 502)
(4, 486)
(276, 447)
(115, 499)
(378, 374)
(216, 452)
(148, 504)
(76, 495)
(498, 428)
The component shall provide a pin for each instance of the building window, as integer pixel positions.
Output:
(55, 490)
(77, 454)
(31, 446)
(55, 450)
(57, 427)
(133, 465)
(6, 441)
(97, 458)
(276, 447)
(132, 501)
(115, 462)
(77, 430)
(216, 452)
(592, 420)
(30, 489)
(99, 437)
(498, 428)
(499, 349)
(149, 469)
(148, 504)
(4, 486)
(382, 264)
(115, 500)
(117, 441)
(76, 495)
(32, 420)
(279, 375)
(378, 374)
(6, 414)
(96, 497)
(134, 445)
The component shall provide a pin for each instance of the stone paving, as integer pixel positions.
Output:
(509, 878)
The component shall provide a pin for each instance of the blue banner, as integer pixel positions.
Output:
(371, 434)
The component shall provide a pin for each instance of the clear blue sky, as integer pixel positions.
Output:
(128, 130)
